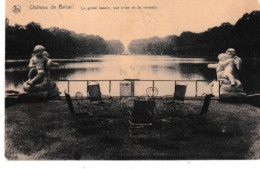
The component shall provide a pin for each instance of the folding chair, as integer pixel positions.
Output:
(175, 104)
(141, 116)
(100, 104)
(188, 120)
(95, 97)
(199, 117)
(85, 117)
(76, 112)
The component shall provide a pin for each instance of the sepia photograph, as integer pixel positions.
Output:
(127, 80)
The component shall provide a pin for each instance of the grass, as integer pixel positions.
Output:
(46, 131)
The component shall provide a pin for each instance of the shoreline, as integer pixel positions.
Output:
(98, 56)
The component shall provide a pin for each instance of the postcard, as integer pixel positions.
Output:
(131, 80)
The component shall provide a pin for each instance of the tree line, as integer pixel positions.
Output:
(20, 41)
(244, 36)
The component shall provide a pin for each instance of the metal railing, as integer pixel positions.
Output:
(133, 82)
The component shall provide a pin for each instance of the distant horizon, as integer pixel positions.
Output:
(172, 17)
(126, 47)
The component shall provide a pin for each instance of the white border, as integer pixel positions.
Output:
(2, 77)
(96, 164)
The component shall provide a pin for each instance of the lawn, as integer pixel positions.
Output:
(46, 131)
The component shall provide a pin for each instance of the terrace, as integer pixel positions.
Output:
(47, 131)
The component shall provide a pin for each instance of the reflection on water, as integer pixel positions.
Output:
(118, 67)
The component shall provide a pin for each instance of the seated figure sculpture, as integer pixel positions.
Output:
(40, 64)
(226, 69)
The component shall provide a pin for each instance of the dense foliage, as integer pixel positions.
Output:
(243, 36)
(115, 47)
(20, 41)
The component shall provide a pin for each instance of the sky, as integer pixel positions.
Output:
(171, 17)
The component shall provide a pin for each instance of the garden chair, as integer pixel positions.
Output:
(86, 115)
(141, 116)
(83, 103)
(199, 117)
(189, 120)
(126, 93)
(96, 98)
(81, 115)
(152, 92)
(175, 103)
(100, 104)
(128, 103)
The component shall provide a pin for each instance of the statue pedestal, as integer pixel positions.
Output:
(233, 97)
(228, 93)
(226, 88)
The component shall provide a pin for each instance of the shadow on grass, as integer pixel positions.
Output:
(227, 133)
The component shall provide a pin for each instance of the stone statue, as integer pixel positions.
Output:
(39, 74)
(227, 72)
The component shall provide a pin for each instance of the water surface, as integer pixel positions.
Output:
(144, 67)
